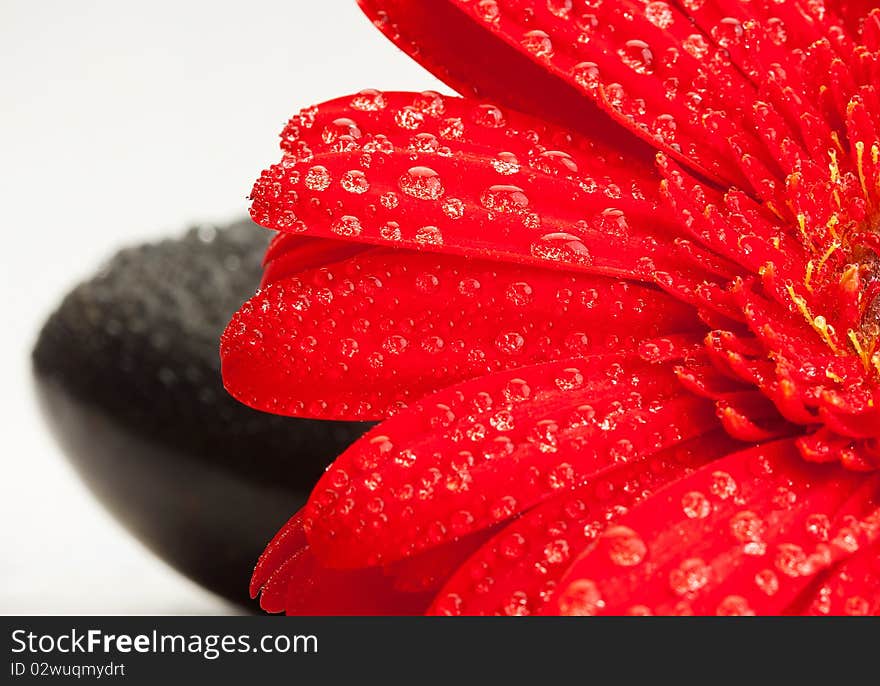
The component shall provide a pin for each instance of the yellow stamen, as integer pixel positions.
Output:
(860, 164)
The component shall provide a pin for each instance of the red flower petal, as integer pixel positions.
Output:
(383, 328)
(774, 523)
(476, 454)
(516, 571)
(684, 79)
(852, 589)
(480, 63)
(302, 586)
(289, 578)
(456, 176)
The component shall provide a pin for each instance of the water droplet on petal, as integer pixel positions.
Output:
(723, 485)
(368, 100)
(556, 162)
(581, 598)
(355, 181)
(819, 526)
(504, 199)
(695, 505)
(734, 606)
(659, 14)
(690, 576)
(767, 581)
(429, 235)
(506, 163)
(538, 43)
(453, 208)
(519, 293)
(696, 46)
(317, 178)
(510, 343)
(561, 247)
(624, 546)
(421, 182)
(637, 55)
(408, 118)
(347, 226)
(489, 116)
(586, 75)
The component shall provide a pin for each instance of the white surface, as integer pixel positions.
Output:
(121, 122)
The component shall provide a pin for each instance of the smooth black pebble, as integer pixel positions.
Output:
(128, 375)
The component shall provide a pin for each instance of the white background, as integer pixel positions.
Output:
(120, 122)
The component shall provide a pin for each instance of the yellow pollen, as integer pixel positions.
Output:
(819, 324)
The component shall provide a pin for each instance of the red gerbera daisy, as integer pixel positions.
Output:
(621, 327)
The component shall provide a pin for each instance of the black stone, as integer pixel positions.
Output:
(128, 376)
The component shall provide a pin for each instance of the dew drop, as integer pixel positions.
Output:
(727, 32)
(696, 46)
(347, 226)
(556, 162)
(487, 11)
(368, 100)
(570, 379)
(690, 576)
(544, 435)
(389, 200)
(355, 181)
(538, 43)
(517, 390)
(340, 127)
(317, 178)
(734, 606)
(510, 343)
(421, 182)
(424, 142)
(504, 199)
(429, 235)
(408, 118)
(556, 552)
(452, 128)
(723, 485)
(453, 208)
(489, 116)
(624, 546)
(390, 231)
(818, 526)
(767, 581)
(561, 247)
(637, 55)
(519, 293)
(790, 559)
(506, 163)
(659, 14)
(395, 345)
(695, 505)
(586, 75)
(581, 598)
